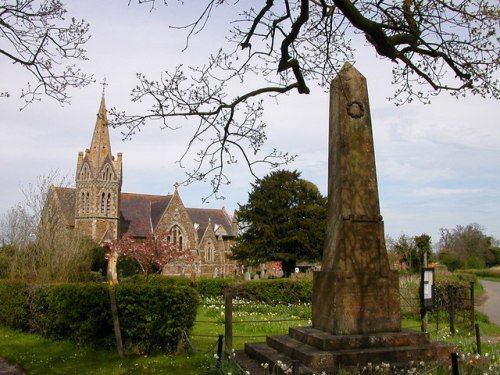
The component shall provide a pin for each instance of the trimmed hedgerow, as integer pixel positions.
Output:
(285, 291)
(152, 317)
(78, 312)
(14, 297)
(210, 288)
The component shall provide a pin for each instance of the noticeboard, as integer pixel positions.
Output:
(427, 288)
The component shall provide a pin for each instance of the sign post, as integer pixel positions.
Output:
(427, 293)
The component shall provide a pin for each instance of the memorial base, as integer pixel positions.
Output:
(319, 351)
(365, 302)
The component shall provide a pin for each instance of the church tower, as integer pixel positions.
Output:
(98, 185)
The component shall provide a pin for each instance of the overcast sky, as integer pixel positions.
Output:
(438, 165)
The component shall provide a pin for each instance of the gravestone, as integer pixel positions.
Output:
(355, 305)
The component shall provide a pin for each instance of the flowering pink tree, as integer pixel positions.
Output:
(152, 253)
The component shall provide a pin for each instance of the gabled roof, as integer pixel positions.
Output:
(217, 217)
(66, 199)
(139, 213)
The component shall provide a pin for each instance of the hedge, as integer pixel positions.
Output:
(14, 304)
(152, 317)
(283, 290)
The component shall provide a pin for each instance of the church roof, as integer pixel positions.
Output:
(139, 213)
(217, 217)
(66, 199)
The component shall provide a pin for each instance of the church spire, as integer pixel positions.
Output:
(100, 146)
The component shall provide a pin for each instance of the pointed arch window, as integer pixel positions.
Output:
(209, 251)
(82, 202)
(87, 202)
(85, 173)
(108, 203)
(107, 173)
(103, 198)
(176, 237)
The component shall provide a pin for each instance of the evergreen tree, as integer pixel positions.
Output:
(284, 219)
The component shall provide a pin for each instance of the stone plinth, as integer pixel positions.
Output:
(319, 351)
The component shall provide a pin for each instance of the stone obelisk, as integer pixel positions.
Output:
(355, 292)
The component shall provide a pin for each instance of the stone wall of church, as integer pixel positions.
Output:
(97, 229)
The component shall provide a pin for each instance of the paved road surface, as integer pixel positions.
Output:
(491, 305)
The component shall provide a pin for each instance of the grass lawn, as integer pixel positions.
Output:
(40, 356)
(37, 355)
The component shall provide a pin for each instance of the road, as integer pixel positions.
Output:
(491, 305)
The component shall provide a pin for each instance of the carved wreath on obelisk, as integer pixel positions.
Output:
(355, 109)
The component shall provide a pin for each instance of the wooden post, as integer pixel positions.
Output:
(116, 321)
(219, 350)
(228, 320)
(478, 339)
(452, 308)
(454, 363)
(295, 367)
(472, 307)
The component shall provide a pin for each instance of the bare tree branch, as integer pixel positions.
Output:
(434, 46)
(34, 37)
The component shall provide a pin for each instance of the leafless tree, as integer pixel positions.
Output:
(35, 36)
(281, 46)
(16, 227)
(45, 248)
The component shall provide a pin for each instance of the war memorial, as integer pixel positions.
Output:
(355, 304)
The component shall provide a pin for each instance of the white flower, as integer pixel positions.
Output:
(247, 372)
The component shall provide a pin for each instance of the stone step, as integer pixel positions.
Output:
(392, 355)
(264, 354)
(330, 359)
(326, 341)
(247, 363)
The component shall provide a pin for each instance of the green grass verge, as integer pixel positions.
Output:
(41, 356)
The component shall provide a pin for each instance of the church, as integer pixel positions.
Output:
(97, 208)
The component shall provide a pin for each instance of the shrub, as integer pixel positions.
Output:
(78, 312)
(459, 282)
(14, 304)
(486, 272)
(210, 288)
(154, 317)
(287, 291)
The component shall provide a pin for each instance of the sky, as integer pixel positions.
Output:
(438, 165)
